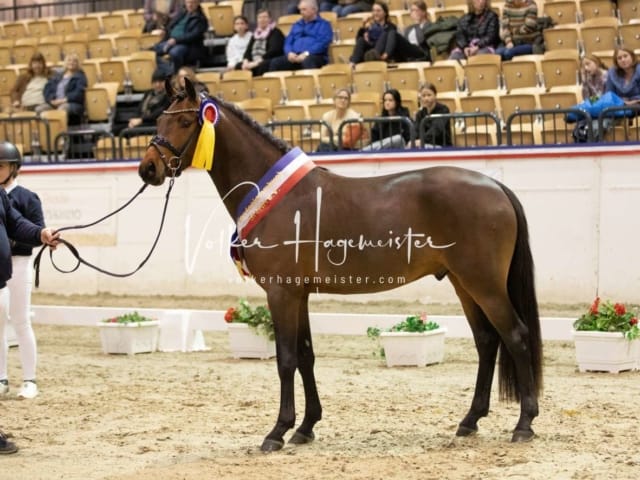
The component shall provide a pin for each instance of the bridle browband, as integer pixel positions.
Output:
(174, 163)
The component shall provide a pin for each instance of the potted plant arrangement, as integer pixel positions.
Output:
(607, 338)
(130, 333)
(251, 333)
(414, 341)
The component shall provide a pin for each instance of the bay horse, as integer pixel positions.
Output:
(335, 234)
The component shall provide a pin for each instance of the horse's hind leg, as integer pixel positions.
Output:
(285, 310)
(306, 361)
(487, 340)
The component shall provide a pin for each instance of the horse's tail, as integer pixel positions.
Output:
(522, 292)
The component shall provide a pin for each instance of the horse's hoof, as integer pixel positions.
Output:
(522, 436)
(301, 439)
(270, 445)
(465, 431)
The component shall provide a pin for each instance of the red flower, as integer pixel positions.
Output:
(423, 317)
(633, 321)
(113, 320)
(228, 316)
(595, 305)
(619, 309)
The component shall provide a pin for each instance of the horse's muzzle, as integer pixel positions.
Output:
(148, 169)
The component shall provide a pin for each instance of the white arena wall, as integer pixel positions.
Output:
(581, 204)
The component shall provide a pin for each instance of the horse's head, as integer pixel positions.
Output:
(171, 149)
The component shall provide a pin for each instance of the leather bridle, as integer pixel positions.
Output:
(174, 163)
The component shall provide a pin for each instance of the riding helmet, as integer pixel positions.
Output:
(9, 153)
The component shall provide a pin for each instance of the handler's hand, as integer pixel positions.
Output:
(49, 237)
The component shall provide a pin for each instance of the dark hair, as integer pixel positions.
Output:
(619, 70)
(241, 17)
(264, 10)
(422, 5)
(396, 96)
(384, 7)
(158, 76)
(38, 57)
(429, 86)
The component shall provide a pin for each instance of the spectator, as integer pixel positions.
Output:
(153, 103)
(267, 42)
(346, 7)
(335, 117)
(158, 13)
(391, 134)
(437, 131)
(28, 204)
(325, 6)
(414, 42)
(478, 31)
(519, 28)
(188, 72)
(623, 77)
(183, 41)
(28, 91)
(65, 90)
(307, 44)
(376, 39)
(594, 77)
(6, 447)
(238, 43)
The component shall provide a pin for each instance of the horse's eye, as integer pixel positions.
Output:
(185, 123)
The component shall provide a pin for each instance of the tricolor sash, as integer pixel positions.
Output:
(270, 189)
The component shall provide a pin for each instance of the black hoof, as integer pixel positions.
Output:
(301, 439)
(522, 436)
(270, 445)
(465, 431)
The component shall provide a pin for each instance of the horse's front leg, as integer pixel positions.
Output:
(285, 308)
(306, 360)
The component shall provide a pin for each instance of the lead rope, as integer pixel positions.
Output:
(80, 260)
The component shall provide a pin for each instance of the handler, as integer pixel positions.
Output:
(21, 231)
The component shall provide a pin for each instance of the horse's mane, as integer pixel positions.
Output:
(242, 115)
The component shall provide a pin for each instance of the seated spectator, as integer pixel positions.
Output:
(333, 118)
(238, 43)
(158, 13)
(28, 91)
(376, 39)
(594, 77)
(153, 103)
(325, 6)
(346, 7)
(183, 41)
(478, 31)
(307, 44)
(267, 42)
(187, 72)
(390, 134)
(414, 42)
(623, 77)
(65, 90)
(519, 28)
(437, 131)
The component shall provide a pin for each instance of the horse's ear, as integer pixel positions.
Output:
(190, 89)
(168, 86)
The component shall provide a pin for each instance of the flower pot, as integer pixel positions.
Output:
(245, 343)
(606, 351)
(413, 348)
(129, 338)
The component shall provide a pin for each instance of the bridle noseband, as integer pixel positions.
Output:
(174, 163)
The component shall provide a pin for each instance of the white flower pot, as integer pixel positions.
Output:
(606, 352)
(244, 342)
(413, 348)
(129, 338)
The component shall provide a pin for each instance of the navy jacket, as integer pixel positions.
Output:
(74, 91)
(13, 225)
(29, 205)
(194, 30)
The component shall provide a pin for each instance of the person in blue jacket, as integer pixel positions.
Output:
(14, 229)
(30, 207)
(623, 77)
(65, 90)
(183, 40)
(307, 44)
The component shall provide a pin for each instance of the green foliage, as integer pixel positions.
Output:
(414, 323)
(134, 317)
(609, 317)
(258, 318)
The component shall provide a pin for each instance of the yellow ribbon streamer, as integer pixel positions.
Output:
(203, 156)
